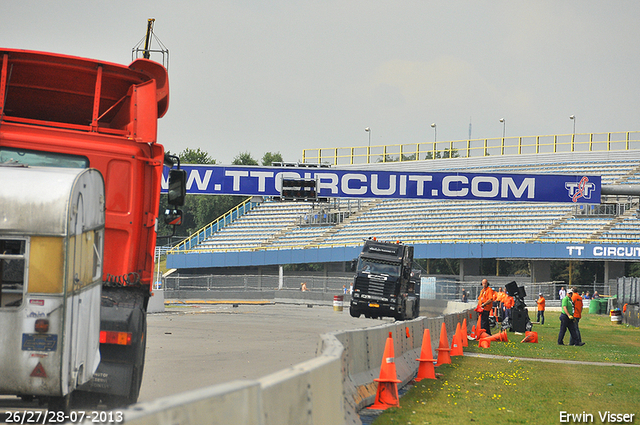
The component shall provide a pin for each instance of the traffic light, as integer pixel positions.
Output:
(299, 190)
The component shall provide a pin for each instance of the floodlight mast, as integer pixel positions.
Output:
(143, 48)
(147, 41)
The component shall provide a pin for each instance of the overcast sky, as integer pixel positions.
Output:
(258, 76)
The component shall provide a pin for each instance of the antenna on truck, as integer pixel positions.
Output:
(143, 48)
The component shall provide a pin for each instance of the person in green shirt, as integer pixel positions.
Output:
(567, 321)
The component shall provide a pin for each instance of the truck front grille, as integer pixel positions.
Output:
(374, 288)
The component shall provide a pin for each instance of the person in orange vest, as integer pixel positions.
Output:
(541, 304)
(485, 300)
(509, 302)
(577, 315)
(504, 300)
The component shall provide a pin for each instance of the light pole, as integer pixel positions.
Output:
(573, 118)
(573, 137)
(368, 130)
(435, 139)
(504, 123)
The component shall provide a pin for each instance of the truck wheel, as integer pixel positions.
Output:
(60, 404)
(354, 313)
(138, 367)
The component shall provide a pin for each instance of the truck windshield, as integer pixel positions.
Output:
(378, 267)
(42, 159)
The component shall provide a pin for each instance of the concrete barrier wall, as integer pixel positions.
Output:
(327, 390)
(237, 402)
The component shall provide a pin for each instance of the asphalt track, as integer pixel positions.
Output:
(194, 346)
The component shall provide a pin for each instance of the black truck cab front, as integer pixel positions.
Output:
(383, 284)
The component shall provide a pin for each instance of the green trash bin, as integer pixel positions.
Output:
(598, 306)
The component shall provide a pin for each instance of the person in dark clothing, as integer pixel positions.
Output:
(567, 321)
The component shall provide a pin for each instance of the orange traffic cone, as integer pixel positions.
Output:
(530, 337)
(443, 347)
(473, 332)
(484, 343)
(387, 394)
(464, 333)
(456, 345)
(483, 335)
(479, 327)
(425, 369)
(502, 336)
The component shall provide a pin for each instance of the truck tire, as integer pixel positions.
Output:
(138, 370)
(60, 404)
(353, 312)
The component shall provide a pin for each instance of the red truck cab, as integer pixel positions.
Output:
(65, 111)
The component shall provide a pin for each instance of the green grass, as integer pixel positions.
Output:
(510, 390)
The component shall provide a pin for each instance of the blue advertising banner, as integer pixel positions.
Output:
(535, 251)
(348, 183)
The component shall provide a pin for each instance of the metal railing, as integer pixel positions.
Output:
(222, 221)
(244, 283)
(445, 289)
(453, 290)
(562, 143)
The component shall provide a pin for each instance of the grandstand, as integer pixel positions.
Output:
(272, 233)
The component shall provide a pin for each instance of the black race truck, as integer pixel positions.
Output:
(385, 284)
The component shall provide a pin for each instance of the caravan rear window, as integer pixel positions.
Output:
(12, 272)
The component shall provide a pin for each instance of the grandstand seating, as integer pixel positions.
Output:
(626, 230)
(257, 227)
(285, 225)
(575, 229)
